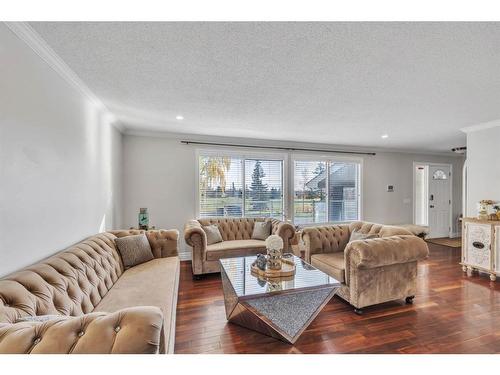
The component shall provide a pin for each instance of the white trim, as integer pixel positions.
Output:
(481, 126)
(429, 164)
(29, 36)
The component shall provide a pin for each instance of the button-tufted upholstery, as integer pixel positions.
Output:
(237, 236)
(73, 283)
(372, 271)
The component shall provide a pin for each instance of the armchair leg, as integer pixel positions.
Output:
(409, 300)
(358, 311)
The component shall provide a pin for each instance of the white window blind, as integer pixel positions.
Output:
(221, 186)
(343, 191)
(310, 191)
(263, 188)
(235, 187)
(326, 191)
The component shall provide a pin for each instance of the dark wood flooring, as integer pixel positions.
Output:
(452, 313)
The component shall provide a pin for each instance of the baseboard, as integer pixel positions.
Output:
(185, 255)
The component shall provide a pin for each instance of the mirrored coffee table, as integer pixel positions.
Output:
(280, 308)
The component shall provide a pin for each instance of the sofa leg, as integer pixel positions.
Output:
(196, 277)
(409, 300)
(358, 311)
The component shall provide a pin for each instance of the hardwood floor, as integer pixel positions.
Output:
(452, 313)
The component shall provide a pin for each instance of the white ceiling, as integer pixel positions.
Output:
(338, 83)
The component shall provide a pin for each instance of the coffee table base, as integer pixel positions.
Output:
(282, 315)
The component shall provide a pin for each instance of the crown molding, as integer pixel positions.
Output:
(29, 36)
(481, 126)
(255, 142)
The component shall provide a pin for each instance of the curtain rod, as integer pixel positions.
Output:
(278, 148)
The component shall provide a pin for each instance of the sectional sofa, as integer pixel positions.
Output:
(91, 303)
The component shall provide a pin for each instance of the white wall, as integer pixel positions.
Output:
(483, 167)
(160, 175)
(60, 159)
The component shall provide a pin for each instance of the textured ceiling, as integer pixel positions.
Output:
(338, 83)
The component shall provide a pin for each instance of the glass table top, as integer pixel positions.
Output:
(245, 283)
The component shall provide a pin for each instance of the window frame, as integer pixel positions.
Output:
(328, 159)
(243, 154)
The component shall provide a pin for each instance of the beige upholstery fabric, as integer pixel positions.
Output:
(261, 230)
(237, 248)
(73, 283)
(374, 270)
(134, 250)
(134, 330)
(163, 242)
(331, 263)
(213, 234)
(232, 229)
(357, 236)
(153, 283)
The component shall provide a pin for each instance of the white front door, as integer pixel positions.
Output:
(439, 201)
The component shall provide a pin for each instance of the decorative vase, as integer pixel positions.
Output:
(483, 211)
(274, 246)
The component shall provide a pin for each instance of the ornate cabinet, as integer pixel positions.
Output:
(481, 247)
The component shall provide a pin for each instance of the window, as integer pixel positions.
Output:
(326, 191)
(439, 175)
(236, 186)
(309, 204)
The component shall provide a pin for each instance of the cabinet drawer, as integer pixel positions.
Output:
(478, 245)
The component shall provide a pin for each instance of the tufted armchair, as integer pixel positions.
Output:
(371, 271)
(237, 240)
(98, 306)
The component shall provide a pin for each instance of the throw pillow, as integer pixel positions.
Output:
(355, 236)
(134, 250)
(261, 230)
(213, 234)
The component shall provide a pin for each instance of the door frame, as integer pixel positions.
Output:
(434, 164)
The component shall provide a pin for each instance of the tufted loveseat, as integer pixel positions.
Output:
(100, 307)
(371, 271)
(237, 240)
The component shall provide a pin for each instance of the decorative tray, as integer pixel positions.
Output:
(287, 270)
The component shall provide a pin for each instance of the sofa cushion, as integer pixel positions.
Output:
(213, 234)
(134, 250)
(261, 230)
(332, 264)
(237, 248)
(154, 283)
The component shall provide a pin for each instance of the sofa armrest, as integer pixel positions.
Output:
(195, 236)
(164, 242)
(379, 252)
(286, 231)
(132, 330)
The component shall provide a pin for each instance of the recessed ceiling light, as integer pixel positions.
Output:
(384, 136)
(179, 117)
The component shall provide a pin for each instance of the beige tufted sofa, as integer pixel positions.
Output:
(237, 236)
(101, 307)
(372, 271)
